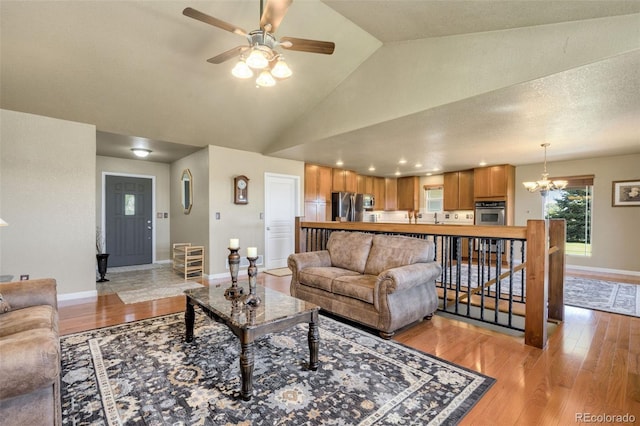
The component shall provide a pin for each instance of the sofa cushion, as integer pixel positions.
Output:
(355, 286)
(390, 251)
(322, 277)
(31, 318)
(349, 250)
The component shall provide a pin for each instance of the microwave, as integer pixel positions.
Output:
(368, 201)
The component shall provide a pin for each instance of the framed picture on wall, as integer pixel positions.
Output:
(626, 193)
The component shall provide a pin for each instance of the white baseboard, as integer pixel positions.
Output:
(603, 270)
(164, 261)
(79, 295)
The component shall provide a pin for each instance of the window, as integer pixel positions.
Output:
(433, 198)
(574, 204)
(129, 204)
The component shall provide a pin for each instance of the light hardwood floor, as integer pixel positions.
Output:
(591, 364)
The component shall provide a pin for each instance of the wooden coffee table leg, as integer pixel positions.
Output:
(246, 369)
(189, 319)
(314, 343)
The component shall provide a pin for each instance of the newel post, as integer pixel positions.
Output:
(300, 236)
(557, 240)
(535, 322)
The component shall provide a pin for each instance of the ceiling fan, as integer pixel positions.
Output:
(260, 53)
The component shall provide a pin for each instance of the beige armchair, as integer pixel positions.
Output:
(29, 354)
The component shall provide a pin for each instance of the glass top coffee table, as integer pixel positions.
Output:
(277, 312)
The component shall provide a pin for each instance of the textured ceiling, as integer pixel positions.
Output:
(138, 69)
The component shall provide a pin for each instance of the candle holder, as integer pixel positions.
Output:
(234, 265)
(252, 298)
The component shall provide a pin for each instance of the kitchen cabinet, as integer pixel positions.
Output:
(494, 183)
(379, 193)
(391, 194)
(317, 212)
(317, 193)
(317, 183)
(408, 194)
(459, 190)
(344, 180)
(365, 184)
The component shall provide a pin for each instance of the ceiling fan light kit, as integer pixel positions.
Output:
(263, 56)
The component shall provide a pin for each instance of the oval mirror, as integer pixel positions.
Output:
(187, 191)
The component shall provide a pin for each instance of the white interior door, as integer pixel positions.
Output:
(281, 208)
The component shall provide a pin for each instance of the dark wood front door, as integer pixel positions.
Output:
(128, 220)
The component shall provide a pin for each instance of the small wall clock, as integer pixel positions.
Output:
(241, 190)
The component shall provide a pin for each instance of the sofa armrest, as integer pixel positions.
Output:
(299, 261)
(22, 294)
(30, 361)
(405, 277)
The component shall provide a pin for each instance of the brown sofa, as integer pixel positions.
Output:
(381, 281)
(29, 354)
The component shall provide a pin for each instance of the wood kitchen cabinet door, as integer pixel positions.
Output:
(451, 192)
(379, 193)
(317, 183)
(458, 190)
(493, 182)
(365, 184)
(408, 193)
(344, 180)
(465, 190)
(391, 194)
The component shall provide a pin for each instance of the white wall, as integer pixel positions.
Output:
(47, 195)
(161, 172)
(616, 230)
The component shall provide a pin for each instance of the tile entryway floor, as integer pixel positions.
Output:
(138, 277)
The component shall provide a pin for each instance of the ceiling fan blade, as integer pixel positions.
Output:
(225, 56)
(195, 14)
(273, 14)
(304, 45)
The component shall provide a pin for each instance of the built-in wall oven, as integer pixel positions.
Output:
(490, 213)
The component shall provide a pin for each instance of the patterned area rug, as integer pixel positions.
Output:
(619, 298)
(151, 293)
(608, 296)
(144, 373)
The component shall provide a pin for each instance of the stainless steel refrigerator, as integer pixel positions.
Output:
(347, 206)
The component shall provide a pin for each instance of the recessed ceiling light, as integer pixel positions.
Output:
(403, 161)
(372, 169)
(397, 173)
(429, 174)
(418, 165)
(141, 152)
(483, 163)
(339, 163)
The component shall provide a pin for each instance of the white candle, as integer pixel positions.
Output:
(234, 243)
(252, 251)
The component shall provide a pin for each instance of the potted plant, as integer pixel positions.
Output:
(101, 256)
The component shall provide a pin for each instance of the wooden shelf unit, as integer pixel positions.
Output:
(188, 260)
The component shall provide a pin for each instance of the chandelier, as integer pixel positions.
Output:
(262, 59)
(545, 185)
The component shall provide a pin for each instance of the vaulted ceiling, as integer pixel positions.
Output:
(440, 84)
